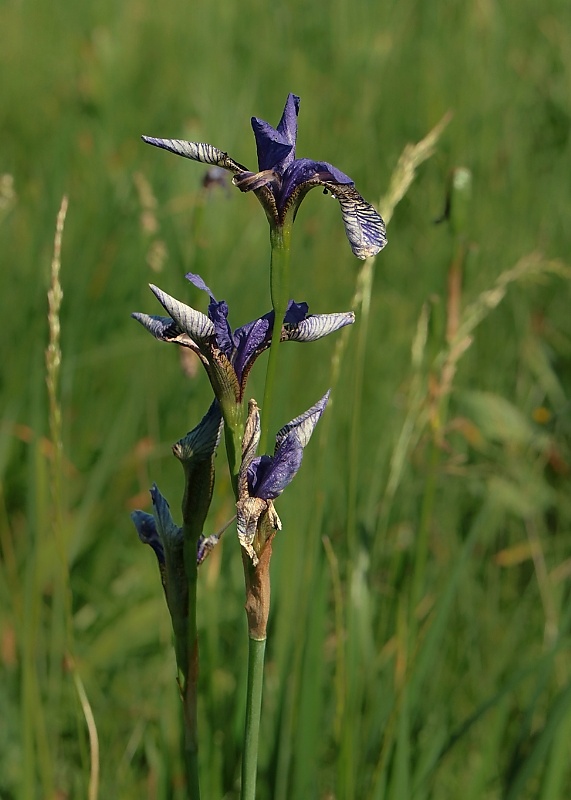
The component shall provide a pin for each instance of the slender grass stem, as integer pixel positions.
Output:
(279, 291)
(365, 281)
(256, 653)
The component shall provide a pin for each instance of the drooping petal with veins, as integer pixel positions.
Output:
(364, 226)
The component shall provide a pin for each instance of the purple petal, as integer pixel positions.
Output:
(276, 147)
(272, 153)
(296, 312)
(305, 170)
(147, 530)
(218, 313)
(197, 281)
(268, 476)
(287, 126)
(167, 527)
(251, 340)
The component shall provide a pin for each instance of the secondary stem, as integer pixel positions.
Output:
(189, 687)
(279, 291)
(256, 651)
(233, 434)
(257, 580)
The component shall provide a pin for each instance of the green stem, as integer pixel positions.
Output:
(189, 669)
(256, 652)
(233, 434)
(279, 290)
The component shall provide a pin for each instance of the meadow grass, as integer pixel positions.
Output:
(420, 629)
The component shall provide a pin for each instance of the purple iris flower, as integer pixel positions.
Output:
(263, 478)
(228, 356)
(282, 180)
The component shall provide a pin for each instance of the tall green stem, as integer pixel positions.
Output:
(188, 666)
(256, 651)
(258, 578)
(190, 689)
(279, 290)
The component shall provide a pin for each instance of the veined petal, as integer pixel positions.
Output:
(197, 151)
(163, 328)
(193, 322)
(364, 226)
(304, 425)
(318, 325)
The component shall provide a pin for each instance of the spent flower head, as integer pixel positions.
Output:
(282, 180)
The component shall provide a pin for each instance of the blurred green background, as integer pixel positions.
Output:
(420, 632)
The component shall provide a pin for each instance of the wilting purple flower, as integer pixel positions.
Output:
(228, 356)
(283, 180)
(263, 478)
(196, 452)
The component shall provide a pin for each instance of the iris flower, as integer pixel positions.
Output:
(228, 356)
(282, 180)
(263, 478)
